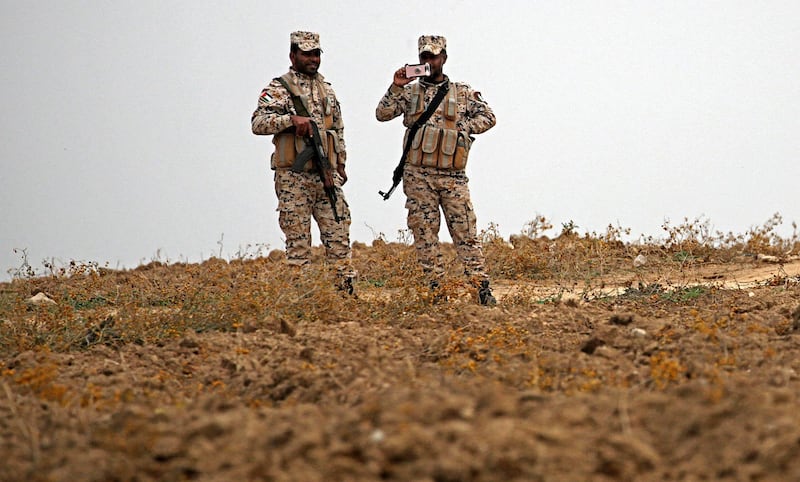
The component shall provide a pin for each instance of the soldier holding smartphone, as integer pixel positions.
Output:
(433, 170)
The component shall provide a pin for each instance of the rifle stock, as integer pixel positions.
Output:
(397, 177)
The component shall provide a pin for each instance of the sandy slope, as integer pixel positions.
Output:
(642, 386)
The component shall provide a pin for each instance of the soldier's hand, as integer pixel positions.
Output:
(400, 78)
(340, 170)
(302, 126)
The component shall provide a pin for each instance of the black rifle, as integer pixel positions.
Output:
(397, 175)
(322, 164)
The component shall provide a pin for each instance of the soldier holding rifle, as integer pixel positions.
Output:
(300, 110)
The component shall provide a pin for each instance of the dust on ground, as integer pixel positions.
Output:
(671, 377)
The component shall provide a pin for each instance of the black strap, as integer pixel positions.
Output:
(397, 175)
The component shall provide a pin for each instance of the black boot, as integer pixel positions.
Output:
(485, 296)
(346, 285)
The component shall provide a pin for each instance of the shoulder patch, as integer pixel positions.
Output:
(265, 96)
(478, 96)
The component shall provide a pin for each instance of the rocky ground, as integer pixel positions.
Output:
(680, 377)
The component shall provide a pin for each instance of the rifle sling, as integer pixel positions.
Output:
(397, 175)
(298, 103)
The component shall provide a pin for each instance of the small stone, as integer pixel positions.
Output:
(767, 258)
(605, 351)
(638, 332)
(40, 299)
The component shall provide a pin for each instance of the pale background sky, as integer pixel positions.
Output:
(126, 124)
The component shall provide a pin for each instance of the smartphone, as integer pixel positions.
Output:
(418, 70)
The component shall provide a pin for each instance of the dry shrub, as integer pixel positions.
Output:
(696, 241)
(158, 300)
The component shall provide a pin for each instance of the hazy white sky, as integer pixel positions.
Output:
(126, 124)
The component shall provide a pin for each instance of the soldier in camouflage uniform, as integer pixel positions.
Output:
(301, 194)
(434, 173)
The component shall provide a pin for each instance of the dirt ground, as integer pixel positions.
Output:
(621, 382)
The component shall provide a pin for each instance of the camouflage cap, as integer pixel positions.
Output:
(432, 43)
(305, 40)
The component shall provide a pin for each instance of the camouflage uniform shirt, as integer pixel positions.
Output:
(275, 108)
(474, 114)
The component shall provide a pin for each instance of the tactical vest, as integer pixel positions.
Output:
(288, 145)
(441, 147)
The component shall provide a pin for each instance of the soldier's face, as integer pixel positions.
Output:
(306, 62)
(436, 62)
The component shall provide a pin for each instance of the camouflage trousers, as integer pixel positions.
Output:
(427, 189)
(301, 195)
